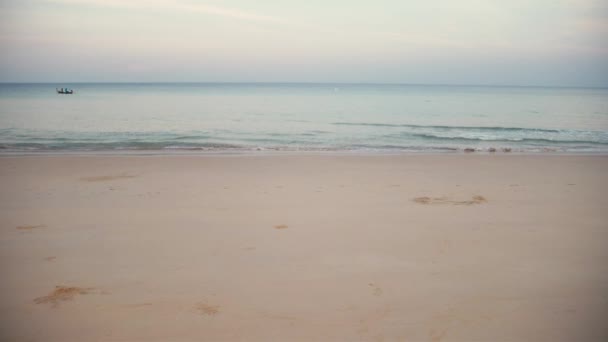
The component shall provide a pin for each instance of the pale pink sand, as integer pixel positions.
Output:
(308, 248)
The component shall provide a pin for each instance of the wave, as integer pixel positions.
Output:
(123, 145)
(506, 140)
(406, 147)
(418, 138)
(477, 128)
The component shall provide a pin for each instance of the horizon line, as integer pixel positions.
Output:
(312, 83)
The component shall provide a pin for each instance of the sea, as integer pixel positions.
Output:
(300, 117)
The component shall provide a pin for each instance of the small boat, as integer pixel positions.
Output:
(64, 91)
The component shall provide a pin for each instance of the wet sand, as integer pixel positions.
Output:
(304, 248)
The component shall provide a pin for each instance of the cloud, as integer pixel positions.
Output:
(174, 5)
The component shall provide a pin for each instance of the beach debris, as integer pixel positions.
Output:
(206, 309)
(31, 227)
(281, 226)
(63, 293)
(445, 200)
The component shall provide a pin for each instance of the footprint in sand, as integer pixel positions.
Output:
(281, 226)
(445, 200)
(62, 294)
(377, 291)
(207, 309)
(31, 227)
(106, 178)
(444, 246)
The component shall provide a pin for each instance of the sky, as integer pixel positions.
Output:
(499, 42)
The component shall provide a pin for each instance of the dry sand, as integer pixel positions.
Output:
(304, 248)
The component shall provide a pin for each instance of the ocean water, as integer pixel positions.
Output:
(300, 117)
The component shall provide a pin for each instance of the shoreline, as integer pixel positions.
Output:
(151, 153)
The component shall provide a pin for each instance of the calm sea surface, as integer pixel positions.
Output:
(300, 117)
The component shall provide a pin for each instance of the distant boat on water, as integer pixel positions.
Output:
(64, 91)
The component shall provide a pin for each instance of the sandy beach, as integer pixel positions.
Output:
(304, 248)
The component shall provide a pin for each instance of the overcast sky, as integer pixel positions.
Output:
(519, 42)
